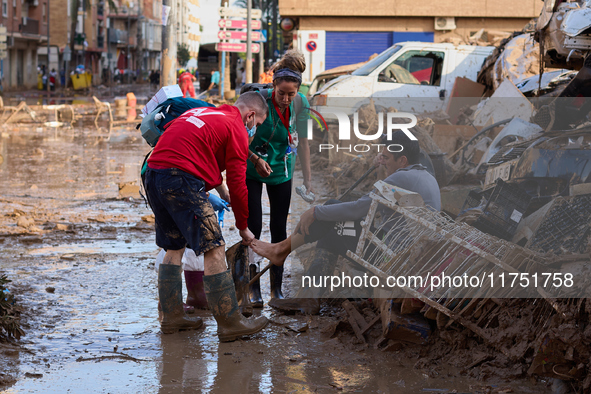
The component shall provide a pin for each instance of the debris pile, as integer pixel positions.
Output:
(511, 154)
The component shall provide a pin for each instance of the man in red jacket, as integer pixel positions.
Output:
(188, 161)
(186, 83)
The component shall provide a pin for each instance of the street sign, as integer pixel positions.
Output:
(67, 54)
(228, 47)
(311, 46)
(229, 12)
(239, 35)
(2, 30)
(238, 24)
(3, 54)
(3, 45)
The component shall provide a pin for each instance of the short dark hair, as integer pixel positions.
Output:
(254, 100)
(410, 148)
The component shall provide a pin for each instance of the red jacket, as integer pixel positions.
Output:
(186, 78)
(204, 142)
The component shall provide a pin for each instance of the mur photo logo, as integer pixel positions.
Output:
(393, 121)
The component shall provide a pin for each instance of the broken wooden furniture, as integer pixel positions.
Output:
(102, 106)
(22, 106)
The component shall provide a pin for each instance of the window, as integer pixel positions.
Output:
(415, 67)
(374, 63)
(44, 13)
(5, 8)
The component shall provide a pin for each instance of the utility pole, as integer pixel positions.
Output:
(274, 28)
(248, 68)
(128, 54)
(48, 48)
(168, 75)
(262, 50)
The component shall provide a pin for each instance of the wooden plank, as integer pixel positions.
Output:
(355, 319)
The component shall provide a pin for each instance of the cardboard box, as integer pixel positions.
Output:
(163, 94)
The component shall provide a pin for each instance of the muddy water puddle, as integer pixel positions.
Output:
(89, 290)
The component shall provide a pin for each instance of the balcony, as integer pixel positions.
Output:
(100, 10)
(29, 26)
(100, 41)
(118, 37)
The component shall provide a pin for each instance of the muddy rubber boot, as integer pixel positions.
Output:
(170, 293)
(187, 308)
(255, 289)
(195, 290)
(221, 297)
(276, 278)
(307, 301)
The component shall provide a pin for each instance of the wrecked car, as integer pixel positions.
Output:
(403, 76)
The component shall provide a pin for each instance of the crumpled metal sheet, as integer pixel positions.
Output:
(576, 21)
(519, 60)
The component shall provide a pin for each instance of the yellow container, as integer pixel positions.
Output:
(39, 81)
(81, 81)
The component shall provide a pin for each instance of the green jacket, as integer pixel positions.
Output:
(278, 145)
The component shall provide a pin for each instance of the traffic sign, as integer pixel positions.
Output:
(3, 55)
(311, 46)
(229, 47)
(238, 24)
(239, 35)
(239, 12)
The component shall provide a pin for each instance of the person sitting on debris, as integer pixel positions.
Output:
(326, 224)
(188, 160)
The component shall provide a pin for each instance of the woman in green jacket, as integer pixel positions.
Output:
(272, 159)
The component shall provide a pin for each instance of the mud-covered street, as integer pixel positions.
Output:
(80, 254)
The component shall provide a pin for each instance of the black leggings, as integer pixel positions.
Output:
(279, 198)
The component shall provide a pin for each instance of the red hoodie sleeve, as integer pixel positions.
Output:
(236, 156)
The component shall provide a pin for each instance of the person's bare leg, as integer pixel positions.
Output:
(278, 252)
(214, 261)
(173, 257)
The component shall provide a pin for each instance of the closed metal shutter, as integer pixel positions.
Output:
(354, 47)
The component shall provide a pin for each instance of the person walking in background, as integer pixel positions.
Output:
(215, 80)
(266, 76)
(186, 83)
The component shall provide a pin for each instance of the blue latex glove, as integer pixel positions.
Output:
(219, 206)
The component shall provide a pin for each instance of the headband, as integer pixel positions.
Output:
(287, 72)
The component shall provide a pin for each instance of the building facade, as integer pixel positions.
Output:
(341, 32)
(26, 24)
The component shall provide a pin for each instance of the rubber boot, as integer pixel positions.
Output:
(255, 289)
(307, 301)
(276, 278)
(195, 290)
(170, 293)
(221, 297)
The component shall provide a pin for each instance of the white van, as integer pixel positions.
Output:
(412, 77)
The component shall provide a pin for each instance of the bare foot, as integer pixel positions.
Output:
(271, 251)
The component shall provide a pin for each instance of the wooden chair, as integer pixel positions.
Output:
(102, 106)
